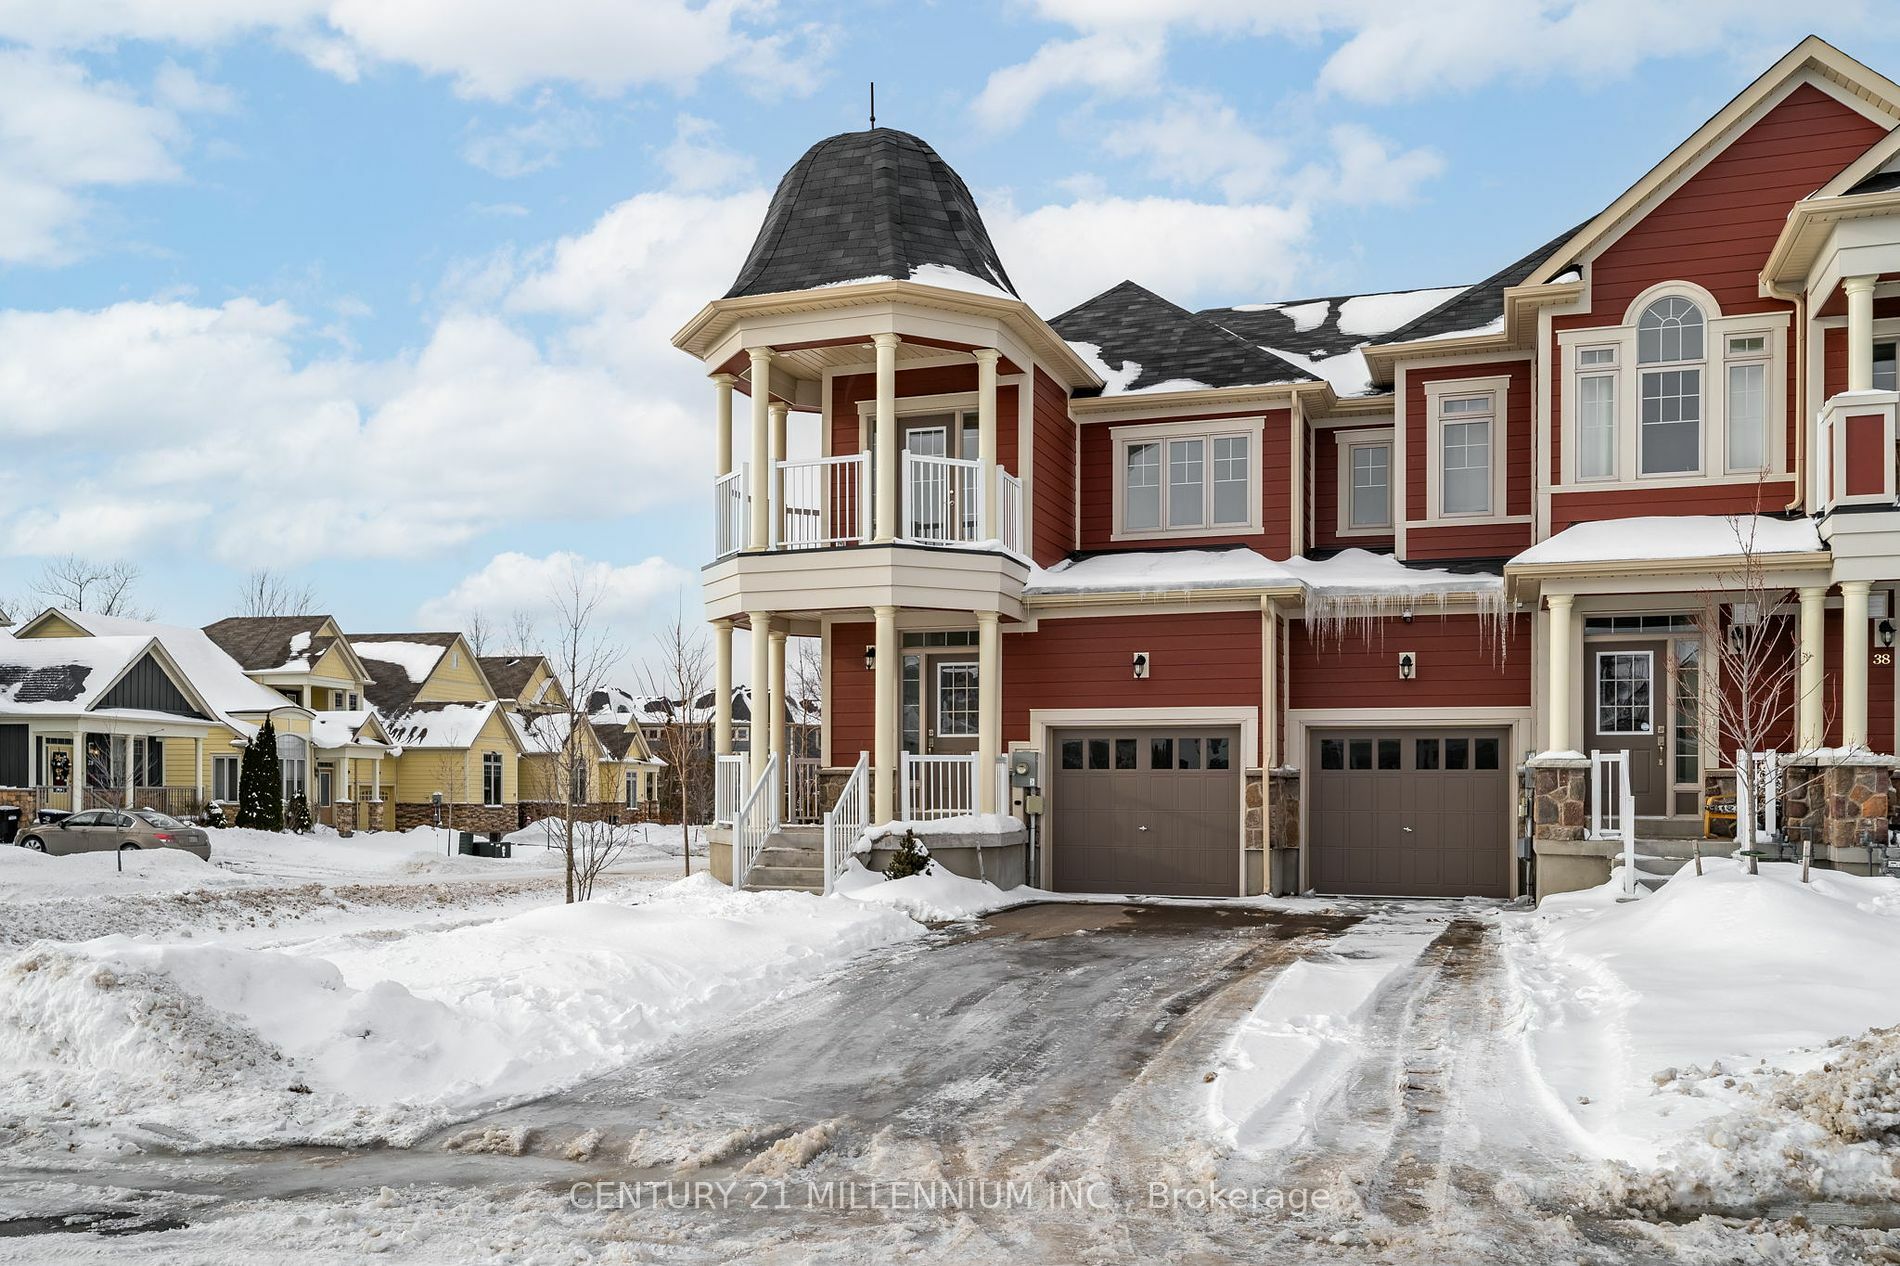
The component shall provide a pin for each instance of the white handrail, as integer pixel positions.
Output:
(1009, 510)
(821, 502)
(728, 786)
(1750, 767)
(1621, 816)
(729, 512)
(936, 786)
(801, 789)
(757, 818)
(846, 820)
(943, 499)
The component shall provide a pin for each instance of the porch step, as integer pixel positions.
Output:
(1669, 828)
(792, 859)
(786, 879)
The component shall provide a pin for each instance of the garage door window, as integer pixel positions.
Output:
(1458, 753)
(1072, 754)
(1125, 753)
(1161, 753)
(1388, 753)
(1332, 754)
(1219, 753)
(1189, 751)
(1359, 754)
(1486, 752)
(1425, 754)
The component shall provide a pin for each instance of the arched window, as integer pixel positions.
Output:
(1669, 354)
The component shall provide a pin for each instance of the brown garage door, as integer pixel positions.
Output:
(1410, 813)
(1146, 810)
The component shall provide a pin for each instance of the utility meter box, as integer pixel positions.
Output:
(1025, 769)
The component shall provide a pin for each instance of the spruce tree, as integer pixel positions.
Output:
(260, 783)
(297, 814)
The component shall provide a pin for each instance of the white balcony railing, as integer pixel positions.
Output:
(1009, 511)
(728, 786)
(729, 512)
(822, 502)
(943, 500)
(935, 786)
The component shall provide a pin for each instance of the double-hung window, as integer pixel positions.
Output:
(1596, 413)
(1188, 483)
(1466, 428)
(491, 778)
(224, 778)
(1669, 352)
(1366, 484)
(1746, 398)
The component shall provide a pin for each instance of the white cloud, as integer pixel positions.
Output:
(1196, 139)
(180, 89)
(1112, 63)
(62, 134)
(630, 595)
(535, 144)
(1370, 170)
(1186, 251)
(95, 523)
(695, 161)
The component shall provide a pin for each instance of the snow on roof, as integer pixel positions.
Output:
(61, 674)
(1159, 571)
(1347, 371)
(416, 659)
(1325, 337)
(1375, 314)
(339, 729)
(1683, 536)
(299, 653)
(439, 725)
(212, 673)
(541, 731)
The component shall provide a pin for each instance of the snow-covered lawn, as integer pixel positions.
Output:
(1708, 1039)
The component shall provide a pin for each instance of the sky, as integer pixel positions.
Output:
(378, 293)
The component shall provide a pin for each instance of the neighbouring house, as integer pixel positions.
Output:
(306, 659)
(101, 710)
(1313, 593)
(612, 776)
(456, 738)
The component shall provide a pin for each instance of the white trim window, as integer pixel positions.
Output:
(1625, 692)
(1747, 362)
(224, 778)
(491, 779)
(1466, 448)
(1670, 352)
(1175, 480)
(1365, 484)
(957, 700)
(1596, 413)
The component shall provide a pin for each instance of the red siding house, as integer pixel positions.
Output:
(1387, 594)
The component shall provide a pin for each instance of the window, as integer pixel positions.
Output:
(1161, 753)
(1174, 482)
(1219, 753)
(1388, 753)
(1368, 485)
(224, 778)
(1886, 353)
(1747, 402)
(1332, 754)
(1596, 413)
(956, 700)
(491, 778)
(1187, 752)
(1425, 754)
(1688, 709)
(1669, 350)
(1623, 697)
(1465, 454)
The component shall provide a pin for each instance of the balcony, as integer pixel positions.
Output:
(830, 502)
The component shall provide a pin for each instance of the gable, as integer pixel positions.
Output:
(147, 687)
(335, 662)
(50, 624)
(455, 679)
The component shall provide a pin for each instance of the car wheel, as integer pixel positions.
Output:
(128, 847)
(35, 843)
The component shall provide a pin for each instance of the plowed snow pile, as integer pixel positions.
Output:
(1713, 1041)
(202, 1045)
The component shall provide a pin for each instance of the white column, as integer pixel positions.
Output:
(760, 480)
(986, 438)
(777, 704)
(1269, 682)
(722, 437)
(1860, 332)
(1561, 692)
(989, 708)
(1809, 727)
(758, 728)
(76, 776)
(888, 494)
(1854, 663)
(376, 794)
(198, 769)
(722, 687)
(884, 723)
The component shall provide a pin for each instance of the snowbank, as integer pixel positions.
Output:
(24, 872)
(1672, 1030)
(207, 1045)
(936, 896)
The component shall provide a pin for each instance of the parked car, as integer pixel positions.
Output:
(103, 830)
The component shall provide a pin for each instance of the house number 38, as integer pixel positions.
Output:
(1883, 658)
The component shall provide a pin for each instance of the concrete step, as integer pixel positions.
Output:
(798, 836)
(789, 855)
(786, 878)
(1669, 828)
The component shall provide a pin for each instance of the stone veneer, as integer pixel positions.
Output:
(481, 819)
(344, 811)
(1840, 804)
(1559, 798)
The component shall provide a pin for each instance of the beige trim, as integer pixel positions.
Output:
(1162, 404)
(1043, 720)
(1712, 566)
(1345, 441)
(1120, 437)
(1499, 389)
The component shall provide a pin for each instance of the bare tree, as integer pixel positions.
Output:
(266, 592)
(478, 632)
(523, 636)
(581, 655)
(807, 690)
(12, 607)
(1749, 625)
(680, 673)
(80, 584)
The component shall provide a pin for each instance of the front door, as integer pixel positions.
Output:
(1626, 710)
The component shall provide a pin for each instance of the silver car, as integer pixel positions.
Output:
(103, 830)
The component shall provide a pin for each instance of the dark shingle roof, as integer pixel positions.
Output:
(1310, 327)
(56, 683)
(262, 642)
(1879, 182)
(867, 204)
(1483, 303)
(616, 739)
(1129, 323)
(508, 674)
(389, 687)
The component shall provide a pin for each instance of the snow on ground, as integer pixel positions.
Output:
(936, 896)
(112, 1041)
(1300, 1043)
(1703, 1039)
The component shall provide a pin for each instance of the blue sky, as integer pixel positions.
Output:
(378, 293)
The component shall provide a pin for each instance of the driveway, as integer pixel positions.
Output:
(1037, 1085)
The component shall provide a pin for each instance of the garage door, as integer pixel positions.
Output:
(1410, 813)
(1146, 811)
